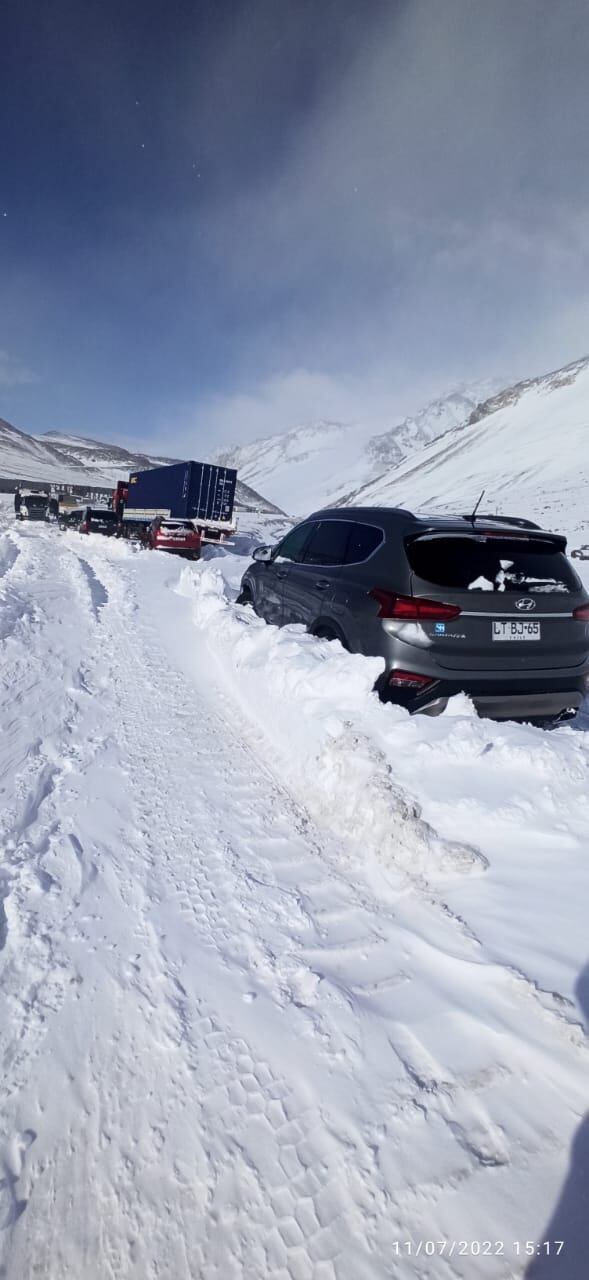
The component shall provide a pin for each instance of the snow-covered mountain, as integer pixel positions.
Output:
(322, 462)
(24, 457)
(527, 446)
(110, 460)
(58, 458)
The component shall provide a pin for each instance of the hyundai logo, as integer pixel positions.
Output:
(525, 604)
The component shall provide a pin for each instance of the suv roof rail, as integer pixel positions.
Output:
(517, 521)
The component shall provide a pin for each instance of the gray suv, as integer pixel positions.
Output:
(489, 605)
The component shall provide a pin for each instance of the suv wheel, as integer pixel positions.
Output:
(245, 597)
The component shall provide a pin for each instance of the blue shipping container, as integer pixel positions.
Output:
(184, 491)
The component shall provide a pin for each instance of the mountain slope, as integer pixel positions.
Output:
(57, 458)
(321, 462)
(112, 462)
(527, 446)
(25, 458)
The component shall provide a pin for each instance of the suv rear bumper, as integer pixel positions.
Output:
(528, 706)
(501, 699)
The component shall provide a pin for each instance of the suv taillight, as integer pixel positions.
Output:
(582, 613)
(412, 608)
(409, 680)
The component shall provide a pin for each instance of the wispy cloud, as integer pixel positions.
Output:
(13, 373)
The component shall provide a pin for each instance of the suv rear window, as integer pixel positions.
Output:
(493, 564)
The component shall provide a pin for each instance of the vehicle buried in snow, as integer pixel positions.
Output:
(197, 494)
(486, 605)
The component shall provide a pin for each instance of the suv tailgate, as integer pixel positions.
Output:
(516, 595)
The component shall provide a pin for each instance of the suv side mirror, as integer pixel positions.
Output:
(263, 553)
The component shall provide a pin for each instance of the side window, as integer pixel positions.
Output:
(364, 539)
(327, 544)
(293, 546)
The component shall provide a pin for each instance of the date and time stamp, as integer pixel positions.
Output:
(478, 1248)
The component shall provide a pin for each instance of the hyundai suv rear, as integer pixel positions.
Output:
(489, 606)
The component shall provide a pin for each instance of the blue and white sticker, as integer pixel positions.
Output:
(440, 628)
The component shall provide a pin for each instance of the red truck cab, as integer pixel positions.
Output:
(119, 497)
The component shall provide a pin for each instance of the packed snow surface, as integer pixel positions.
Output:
(292, 985)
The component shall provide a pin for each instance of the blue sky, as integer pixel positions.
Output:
(220, 219)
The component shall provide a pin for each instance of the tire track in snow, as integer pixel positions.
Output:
(244, 1121)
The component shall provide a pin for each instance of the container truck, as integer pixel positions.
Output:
(197, 491)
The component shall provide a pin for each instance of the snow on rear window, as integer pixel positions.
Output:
(470, 564)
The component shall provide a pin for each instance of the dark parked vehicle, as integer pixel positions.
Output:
(69, 517)
(99, 520)
(490, 606)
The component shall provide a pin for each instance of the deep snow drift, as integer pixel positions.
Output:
(289, 980)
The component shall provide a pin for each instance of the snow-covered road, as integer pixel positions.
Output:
(285, 989)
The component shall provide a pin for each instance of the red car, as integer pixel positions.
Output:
(179, 536)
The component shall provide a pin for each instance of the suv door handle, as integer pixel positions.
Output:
(322, 584)
(281, 573)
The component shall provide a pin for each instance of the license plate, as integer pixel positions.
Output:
(518, 629)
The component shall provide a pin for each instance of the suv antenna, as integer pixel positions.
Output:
(473, 516)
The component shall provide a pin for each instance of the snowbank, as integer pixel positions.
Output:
(315, 706)
(424, 796)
